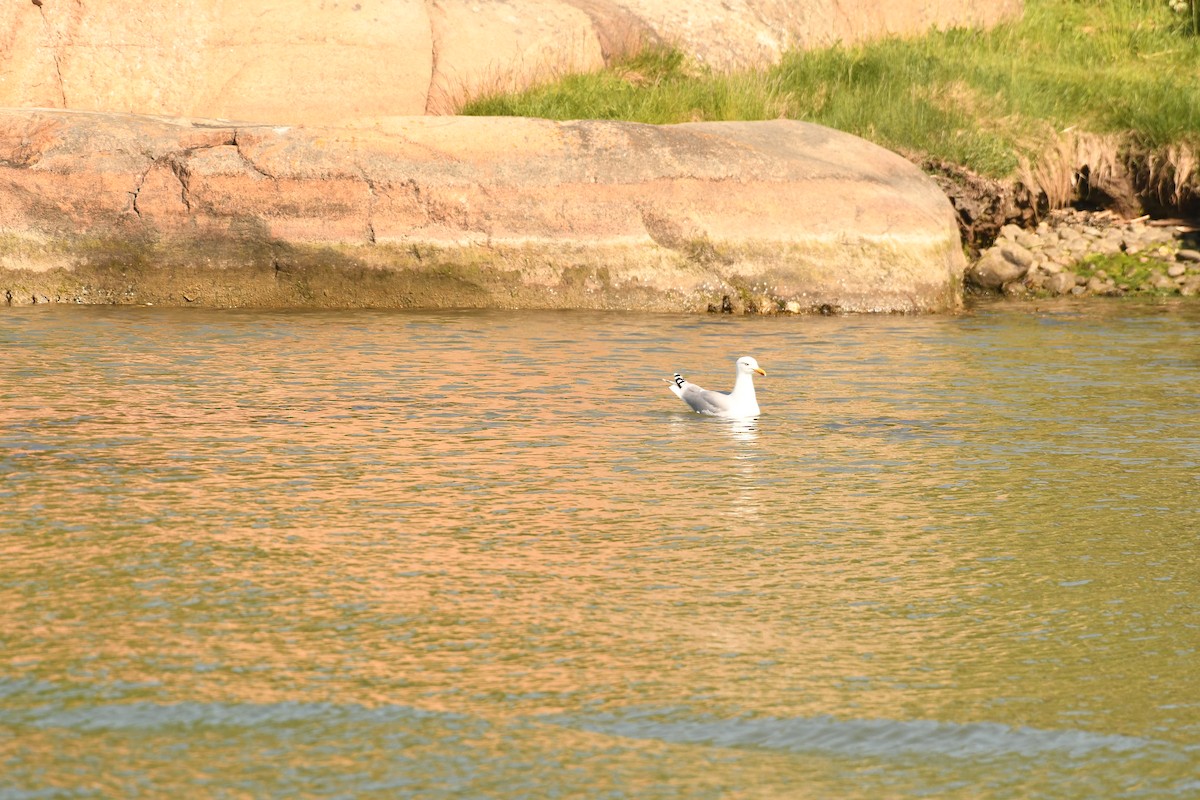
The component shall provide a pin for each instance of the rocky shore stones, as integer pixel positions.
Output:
(1000, 265)
(1053, 259)
(1061, 283)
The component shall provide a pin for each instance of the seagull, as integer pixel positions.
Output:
(741, 402)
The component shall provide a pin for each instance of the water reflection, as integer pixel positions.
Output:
(412, 551)
(743, 431)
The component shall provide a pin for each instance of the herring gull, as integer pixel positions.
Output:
(740, 402)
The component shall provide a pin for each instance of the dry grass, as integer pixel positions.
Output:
(1112, 170)
(1076, 163)
(1172, 175)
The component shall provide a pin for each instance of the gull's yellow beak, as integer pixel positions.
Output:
(761, 371)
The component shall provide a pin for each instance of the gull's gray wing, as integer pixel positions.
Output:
(704, 401)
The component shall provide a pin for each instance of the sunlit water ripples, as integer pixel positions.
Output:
(489, 554)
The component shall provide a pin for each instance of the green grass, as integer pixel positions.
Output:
(977, 98)
(1125, 269)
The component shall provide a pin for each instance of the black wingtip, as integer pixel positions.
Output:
(679, 380)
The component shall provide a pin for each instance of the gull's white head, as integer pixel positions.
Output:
(747, 364)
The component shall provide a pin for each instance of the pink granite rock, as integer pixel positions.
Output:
(461, 211)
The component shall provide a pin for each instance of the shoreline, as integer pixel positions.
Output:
(211, 214)
(1070, 256)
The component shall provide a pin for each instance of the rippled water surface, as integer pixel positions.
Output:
(489, 555)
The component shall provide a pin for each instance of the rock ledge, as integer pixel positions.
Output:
(467, 212)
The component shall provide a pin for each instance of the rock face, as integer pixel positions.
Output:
(326, 63)
(286, 62)
(489, 47)
(450, 211)
(746, 33)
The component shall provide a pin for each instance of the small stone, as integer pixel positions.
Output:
(1014, 289)
(993, 270)
(1188, 255)
(1076, 246)
(792, 307)
(1096, 286)
(1061, 283)
(1017, 255)
(1157, 236)
(1010, 231)
(1176, 270)
(1160, 281)
(1028, 240)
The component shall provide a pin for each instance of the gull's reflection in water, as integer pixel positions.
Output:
(744, 433)
(742, 446)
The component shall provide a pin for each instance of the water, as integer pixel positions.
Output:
(490, 555)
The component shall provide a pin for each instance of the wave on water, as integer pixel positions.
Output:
(143, 715)
(859, 738)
